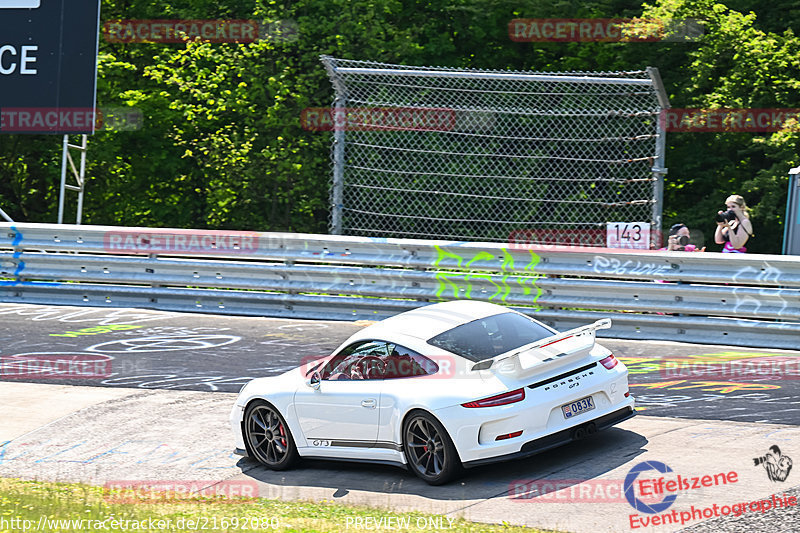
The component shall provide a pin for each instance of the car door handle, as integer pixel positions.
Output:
(369, 403)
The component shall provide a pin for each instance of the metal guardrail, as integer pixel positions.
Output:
(745, 300)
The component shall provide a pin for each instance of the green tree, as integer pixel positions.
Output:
(222, 145)
(735, 65)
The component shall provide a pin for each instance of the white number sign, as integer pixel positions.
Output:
(635, 235)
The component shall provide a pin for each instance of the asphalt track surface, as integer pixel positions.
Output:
(134, 348)
(154, 369)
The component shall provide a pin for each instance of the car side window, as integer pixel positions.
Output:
(403, 362)
(361, 360)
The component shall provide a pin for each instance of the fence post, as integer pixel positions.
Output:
(659, 170)
(337, 190)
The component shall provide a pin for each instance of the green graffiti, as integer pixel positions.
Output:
(534, 261)
(444, 282)
(444, 277)
(480, 256)
(456, 282)
(97, 330)
(507, 266)
(531, 267)
(442, 254)
(508, 261)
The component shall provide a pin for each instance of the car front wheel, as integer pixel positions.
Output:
(430, 452)
(268, 437)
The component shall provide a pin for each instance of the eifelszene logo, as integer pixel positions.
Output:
(630, 493)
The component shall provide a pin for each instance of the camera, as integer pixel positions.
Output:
(682, 240)
(727, 216)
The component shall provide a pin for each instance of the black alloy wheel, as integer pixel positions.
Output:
(430, 452)
(268, 438)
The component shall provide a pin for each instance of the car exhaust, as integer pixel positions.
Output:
(583, 431)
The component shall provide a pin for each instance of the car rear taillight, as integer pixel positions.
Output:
(609, 362)
(509, 435)
(501, 399)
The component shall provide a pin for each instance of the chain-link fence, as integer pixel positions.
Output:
(488, 155)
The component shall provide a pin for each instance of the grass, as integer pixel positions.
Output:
(81, 507)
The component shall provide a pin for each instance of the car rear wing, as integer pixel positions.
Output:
(531, 357)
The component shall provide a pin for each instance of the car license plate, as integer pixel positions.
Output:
(577, 407)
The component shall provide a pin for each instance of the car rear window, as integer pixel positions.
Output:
(487, 337)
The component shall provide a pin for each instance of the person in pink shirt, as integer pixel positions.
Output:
(733, 226)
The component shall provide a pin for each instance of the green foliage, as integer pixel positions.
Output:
(736, 65)
(222, 145)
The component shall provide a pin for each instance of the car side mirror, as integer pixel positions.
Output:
(314, 381)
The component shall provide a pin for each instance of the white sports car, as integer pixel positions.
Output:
(446, 386)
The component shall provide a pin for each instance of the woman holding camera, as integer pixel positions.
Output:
(733, 225)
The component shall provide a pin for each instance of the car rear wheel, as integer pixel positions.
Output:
(268, 437)
(430, 452)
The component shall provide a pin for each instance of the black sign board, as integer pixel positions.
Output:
(48, 65)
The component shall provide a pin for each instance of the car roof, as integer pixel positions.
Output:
(431, 320)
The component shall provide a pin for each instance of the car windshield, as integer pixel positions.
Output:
(488, 337)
